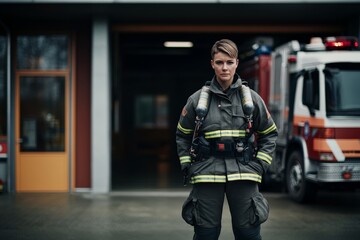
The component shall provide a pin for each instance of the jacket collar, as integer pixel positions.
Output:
(216, 88)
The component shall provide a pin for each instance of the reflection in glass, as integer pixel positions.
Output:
(42, 52)
(42, 113)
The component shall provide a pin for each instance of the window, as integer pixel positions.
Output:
(311, 93)
(151, 111)
(43, 74)
(42, 113)
(42, 52)
(3, 85)
(342, 89)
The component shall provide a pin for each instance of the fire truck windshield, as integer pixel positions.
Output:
(342, 86)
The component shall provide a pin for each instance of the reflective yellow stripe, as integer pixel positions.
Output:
(265, 157)
(270, 129)
(185, 159)
(208, 178)
(184, 130)
(245, 176)
(222, 179)
(225, 133)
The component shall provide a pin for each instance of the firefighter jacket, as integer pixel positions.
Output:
(225, 121)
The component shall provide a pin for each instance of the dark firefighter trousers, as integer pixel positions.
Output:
(210, 200)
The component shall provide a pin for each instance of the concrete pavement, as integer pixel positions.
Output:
(156, 215)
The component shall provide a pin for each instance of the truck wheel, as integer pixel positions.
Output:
(299, 189)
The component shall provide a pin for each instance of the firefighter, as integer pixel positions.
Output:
(225, 141)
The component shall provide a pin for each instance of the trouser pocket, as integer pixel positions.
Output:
(259, 211)
(190, 211)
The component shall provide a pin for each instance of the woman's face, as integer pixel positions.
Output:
(224, 67)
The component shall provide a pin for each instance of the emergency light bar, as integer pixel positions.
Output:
(328, 43)
(341, 43)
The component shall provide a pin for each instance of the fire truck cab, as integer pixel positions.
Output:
(315, 101)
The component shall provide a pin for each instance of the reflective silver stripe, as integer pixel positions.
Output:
(225, 133)
(336, 150)
(208, 178)
(245, 176)
(184, 130)
(185, 159)
(265, 157)
(270, 129)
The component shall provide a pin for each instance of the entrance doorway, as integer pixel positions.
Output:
(42, 113)
(151, 86)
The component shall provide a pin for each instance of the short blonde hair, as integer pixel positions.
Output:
(225, 46)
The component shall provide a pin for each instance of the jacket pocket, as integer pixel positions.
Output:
(259, 211)
(201, 167)
(190, 211)
(256, 166)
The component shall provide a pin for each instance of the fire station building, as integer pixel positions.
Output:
(91, 90)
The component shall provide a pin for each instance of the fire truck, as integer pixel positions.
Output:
(313, 94)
